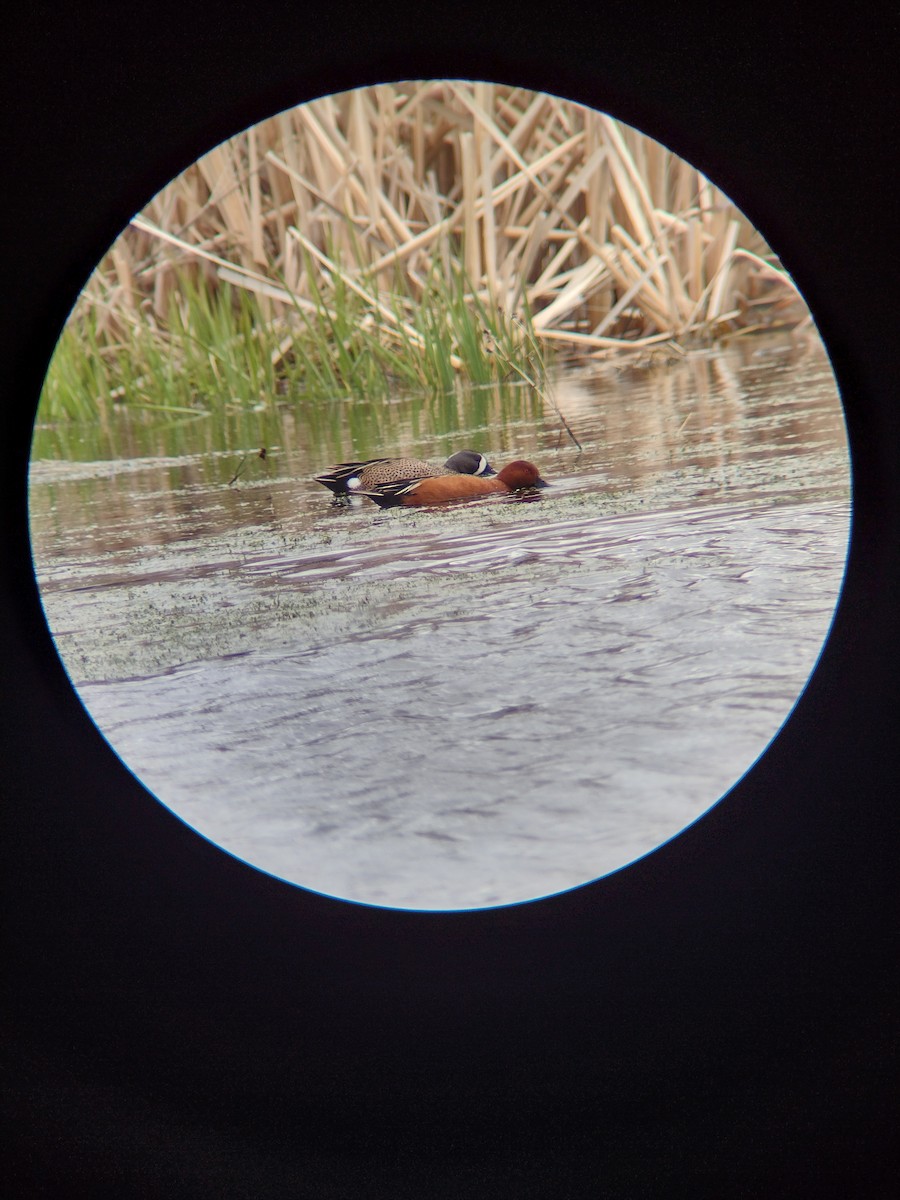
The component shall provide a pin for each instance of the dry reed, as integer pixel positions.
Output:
(606, 238)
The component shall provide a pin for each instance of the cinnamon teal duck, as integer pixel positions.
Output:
(516, 477)
(355, 477)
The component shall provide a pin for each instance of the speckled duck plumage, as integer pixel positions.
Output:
(345, 479)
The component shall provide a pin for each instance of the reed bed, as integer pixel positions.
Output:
(413, 234)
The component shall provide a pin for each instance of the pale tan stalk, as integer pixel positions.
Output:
(218, 169)
(623, 302)
(263, 287)
(122, 263)
(255, 212)
(572, 296)
(471, 248)
(195, 251)
(767, 268)
(642, 213)
(695, 280)
(716, 296)
(633, 263)
(545, 281)
(488, 223)
(589, 340)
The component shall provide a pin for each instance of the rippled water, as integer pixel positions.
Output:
(471, 705)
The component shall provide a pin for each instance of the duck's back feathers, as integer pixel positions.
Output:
(357, 478)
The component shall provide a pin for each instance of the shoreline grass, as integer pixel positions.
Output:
(411, 235)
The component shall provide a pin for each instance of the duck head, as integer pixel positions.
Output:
(521, 474)
(469, 462)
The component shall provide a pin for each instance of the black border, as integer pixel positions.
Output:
(716, 1020)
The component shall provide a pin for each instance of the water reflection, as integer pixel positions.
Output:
(466, 706)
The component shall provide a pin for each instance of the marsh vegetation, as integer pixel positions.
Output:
(411, 236)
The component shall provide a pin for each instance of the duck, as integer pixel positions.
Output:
(352, 478)
(518, 476)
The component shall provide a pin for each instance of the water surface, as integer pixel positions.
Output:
(470, 705)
